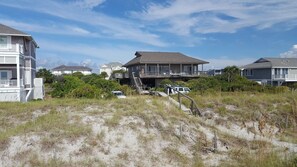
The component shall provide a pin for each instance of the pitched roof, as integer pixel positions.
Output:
(5, 30)
(272, 63)
(163, 58)
(71, 68)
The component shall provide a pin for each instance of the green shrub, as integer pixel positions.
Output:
(47, 76)
(78, 75)
(127, 90)
(204, 83)
(105, 85)
(66, 85)
(165, 82)
(86, 91)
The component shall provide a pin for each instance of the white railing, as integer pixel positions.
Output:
(285, 76)
(14, 48)
(10, 83)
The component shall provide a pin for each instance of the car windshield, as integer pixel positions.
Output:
(118, 93)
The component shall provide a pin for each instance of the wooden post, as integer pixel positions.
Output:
(287, 120)
(215, 142)
(192, 108)
(178, 95)
(180, 131)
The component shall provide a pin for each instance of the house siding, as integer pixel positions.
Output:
(292, 71)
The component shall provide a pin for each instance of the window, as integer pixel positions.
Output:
(3, 42)
(152, 68)
(3, 75)
(277, 71)
(164, 69)
(248, 72)
(285, 71)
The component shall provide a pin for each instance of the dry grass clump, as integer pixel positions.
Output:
(260, 158)
(174, 154)
(54, 123)
(279, 110)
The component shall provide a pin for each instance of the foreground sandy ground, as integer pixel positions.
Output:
(137, 131)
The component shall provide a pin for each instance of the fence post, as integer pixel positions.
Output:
(179, 101)
(192, 108)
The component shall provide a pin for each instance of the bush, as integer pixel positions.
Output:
(78, 75)
(204, 83)
(86, 91)
(165, 82)
(66, 85)
(47, 76)
(127, 90)
(105, 85)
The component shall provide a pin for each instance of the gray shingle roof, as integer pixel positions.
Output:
(273, 63)
(163, 58)
(5, 30)
(71, 68)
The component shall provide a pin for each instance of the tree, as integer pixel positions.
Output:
(165, 82)
(231, 72)
(47, 76)
(103, 74)
(66, 85)
(78, 75)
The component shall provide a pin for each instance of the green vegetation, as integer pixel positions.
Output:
(47, 76)
(229, 81)
(78, 85)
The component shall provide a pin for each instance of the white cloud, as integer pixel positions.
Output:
(292, 53)
(111, 27)
(224, 62)
(80, 52)
(89, 3)
(212, 16)
(53, 28)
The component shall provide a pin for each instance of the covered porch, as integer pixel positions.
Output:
(11, 76)
(169, 70)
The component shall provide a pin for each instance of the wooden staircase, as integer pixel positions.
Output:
(136, 81)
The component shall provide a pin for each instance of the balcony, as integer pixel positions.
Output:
(10, 55)
(13, 48)
(285, 77)
(166, 74)
(10, 83)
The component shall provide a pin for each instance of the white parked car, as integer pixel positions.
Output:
(119, 94)
(183, 90)
(175, 89)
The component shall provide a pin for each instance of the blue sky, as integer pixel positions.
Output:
(94, 32)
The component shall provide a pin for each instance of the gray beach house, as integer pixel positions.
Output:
(273, 71)
(18, 66)
(152, 67)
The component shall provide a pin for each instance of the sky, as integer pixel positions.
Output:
(95, 32)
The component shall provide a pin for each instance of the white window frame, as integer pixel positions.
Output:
(9, 74)
(249, 72)
(8, 44)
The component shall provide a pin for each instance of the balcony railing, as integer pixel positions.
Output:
(14, 48)
(168, 74)
(285, 77)
(10, 83)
